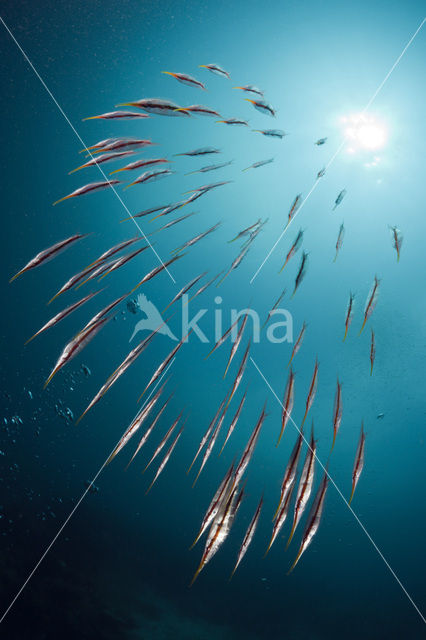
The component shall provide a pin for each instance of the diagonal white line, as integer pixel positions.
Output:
(78, 503)
(341, 146)
(85, 147)
(325, 469)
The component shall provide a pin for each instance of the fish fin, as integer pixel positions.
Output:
(76, 169)
(295, 561)
(61, 200)
(363, 325)
(197, 573)
(16, 275)
(291, 535)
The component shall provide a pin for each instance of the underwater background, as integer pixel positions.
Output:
(122, 566)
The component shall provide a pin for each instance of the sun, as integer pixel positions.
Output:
(364, 132)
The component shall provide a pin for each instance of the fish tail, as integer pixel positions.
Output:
(91, 118)
(276, 511)
(333, 443)
(150, 487)
(335, 257)
(222, 279)
(61, 200)
(54, 297)
(304, 418)
(49, 378)
(352, 494)
(129, 185)
(77, 169)
(223, 446)
(29, 339)
(197, 573)
(363, 325)
(16, 275)
(190, 466)
(116, 171)
(293, 529)
(196, 478)
(280, 436)
(235, 568)
(295, 561)
(371, 368)
(226, 370)
(292, 356)
(346, 333)
(196, 540)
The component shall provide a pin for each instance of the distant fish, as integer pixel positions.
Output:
(195, 239)
(245, 231)
(115, 249)
(222, 339)
(312, 391)
(301, 272)
(156, 106)
(175, 221)
(234, 121)
(210, 167)
(165, 460)
(220, 529)
(199, 110)
(141, 164)
(185, 289)
(359, 462)
(239, 375)
(314, 519)
(150, 176)
(294, 208)
(275, 305)
(339, 240)
(214, 68)
(305, 485)
(271, 133)
(249, 88)
(339, 199)
(293, 249)
(236, 343)
(287, 404)
(371, 302)
(119, 371)
(211, 443)
(150, 429)
(248, 536)
(298, 342)
(118, 115)
(48, 254)
(234, 421)
(220, 497)
(208, 433)
(186, 79)
(76, 345)
(337, 412)
(262, 106)
(372, 352)
(258, 164)
(290, 472)
(164, 441)
(281, 515)
(321, 173)
(105, 157)
(397, 240)
(249, 449)
(320, 142)
(88, 188)
(122, 261)
(136, 423)
(62, 314)
(123, 144)
(349, 314)
(202, 151)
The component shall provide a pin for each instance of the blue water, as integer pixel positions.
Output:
(121, 567)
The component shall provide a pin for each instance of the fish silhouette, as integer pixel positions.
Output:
(153, 319)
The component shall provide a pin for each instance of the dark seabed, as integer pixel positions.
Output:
(121, 567)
